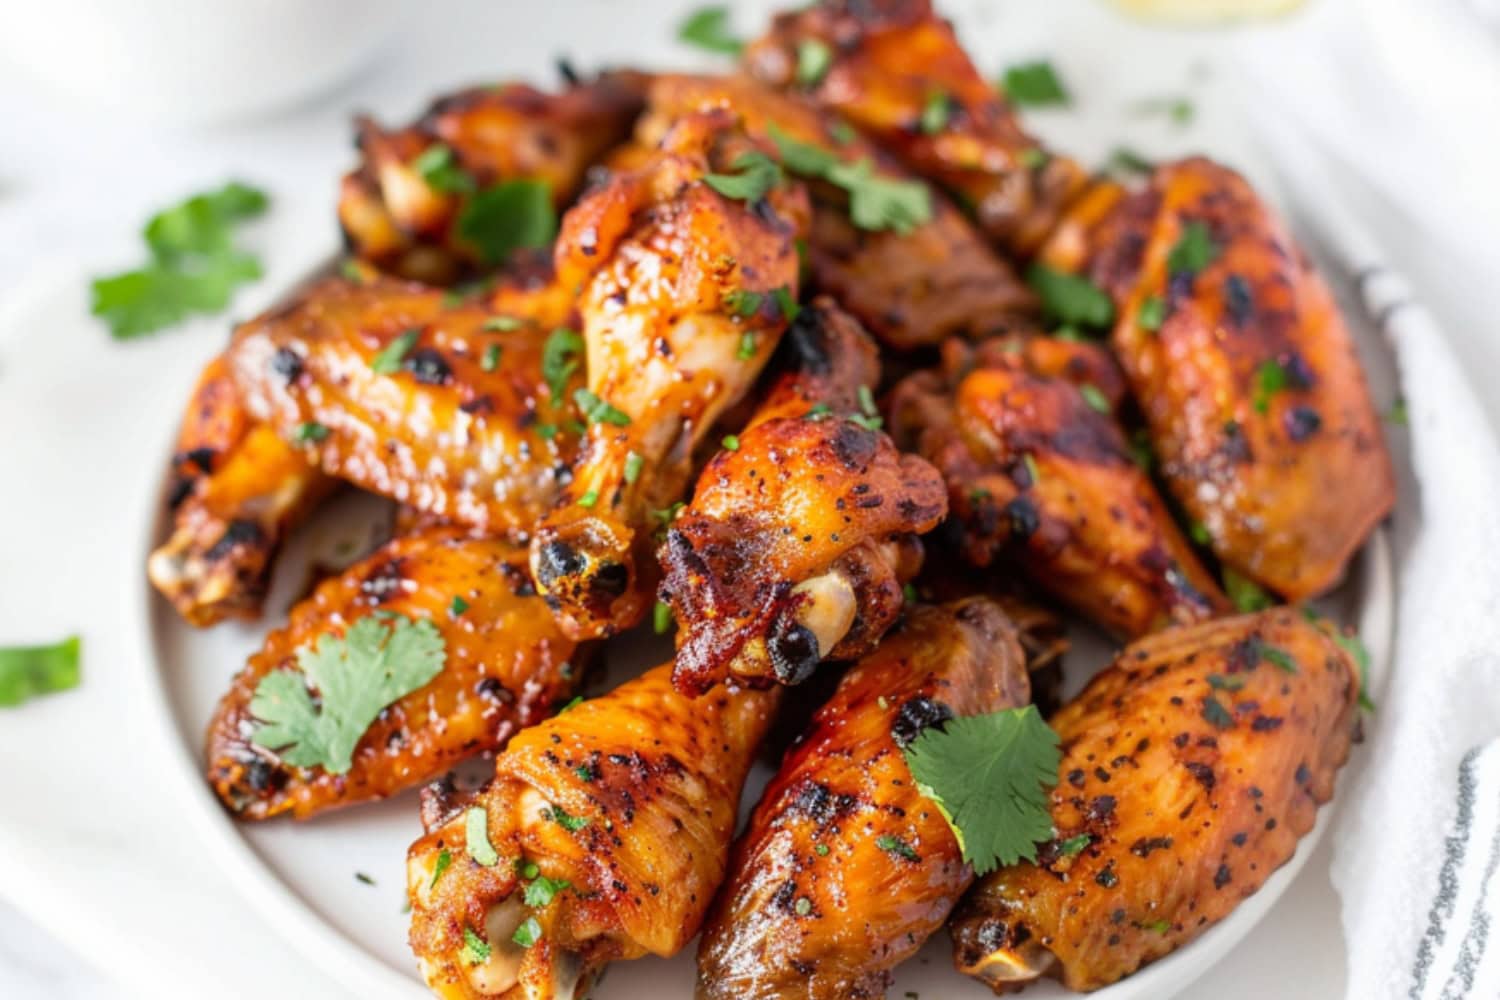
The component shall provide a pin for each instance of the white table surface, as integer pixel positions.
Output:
(74, 189)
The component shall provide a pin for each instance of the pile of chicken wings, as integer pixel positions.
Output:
(779, 382)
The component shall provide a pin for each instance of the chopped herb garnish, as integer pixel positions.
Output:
(387, 361)
(1352, 644)
(1094, 398)
(444, 859)
(1194, 250)
(512, 215)
(598, 411)
(362, 877)
(754, 177)
(490, 360)
(1033, 84)
(821, 849)
(502, 324)
(476, 951)
(803, 906)
(708, 28)
(666, 515)
(731, 442)
(1179, 109)
(1216, 714)
(1277, 657)
(784, 302)
(1226, 682)
(909, 593)
(309, 432)
(528, 934)
(814, 59)
(194, 266)
(1198, 532)
(1074, 845)
(1140, 449)
(747, 346)
(542, 890)
(1152, 313)
(29, 671)
(1127, 161)
(589, 498)
(584, 773)
(1070, 298)
(570, 823)
(1033, 158)
(898, 847)
(440, 171)
(1156, 926)
(1032, 471)
(879, 203)
(477, 838)
(560, 359)
(989, 774)
(819, 411)
(352, 272)
(633, 465)
(1396, 415)
(458, 606)
(742, 302)
(1244, 593)
(661, 618)
(935, 113)
(527, 869)
(843, 133)
(381, 658)
(1270, 378)
(801, 157)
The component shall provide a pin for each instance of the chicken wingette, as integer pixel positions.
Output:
(602, 837)
(453, 407)
(910, 287)
(896, 69)
(798, 539)
(1190, 769)
(686, 274)
(506, 666)
(236, 489)
(1039, 473)
(1248, 378)
(846, 868)
(422, 195)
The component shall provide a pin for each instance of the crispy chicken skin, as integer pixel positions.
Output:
(236, 489)
(449, 427)
(797, 541)
(1193, 764)
(815, 906)
(629, 799)
(889, 60)
(1035, 473)
(910, 289)
(663, 263)
(507, 667)
(393, 218)
(1254, 396)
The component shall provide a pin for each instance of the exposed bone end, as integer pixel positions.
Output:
(827, 609)
(585, 566)
(1007, 966)
(502, 969)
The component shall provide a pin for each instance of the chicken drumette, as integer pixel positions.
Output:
(799, 537)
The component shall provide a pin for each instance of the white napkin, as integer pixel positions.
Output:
(1417, 845)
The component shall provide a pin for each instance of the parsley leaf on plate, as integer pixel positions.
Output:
(1070, 298)
(989, 774)
(1033, 84)
(708, 28)
(28, 671)
(380, 658)
(511, 215)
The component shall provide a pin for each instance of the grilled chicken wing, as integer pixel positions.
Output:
(610, 825)
(236, 490)
(400, 390)
(798, 540)
(681, 289)
(507, 666)
(1035, 471)
(405, 219)
(911, 288)
(845, 868)
(1190, 769)
(1254, 396)
(897, 71)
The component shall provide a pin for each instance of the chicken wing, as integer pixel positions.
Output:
(896, 69)
(602, 837)
(507, 666)
(1190, 769)
(685, 268)
(1037, 472)
(798, 539)
(236, 489)
(401, 208)
(445, 405)
(910, 289)
(1251, 388)
(846, 868)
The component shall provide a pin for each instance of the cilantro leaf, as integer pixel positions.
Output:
(476, 949)
(935, 113)
(1033, 84)
(879, 203)
(380, 658)
(1070, 298)
(801, 157)
(560, 359)
(599, 411)
(1194, 250)
(1094, 398)
(444, 859)
(201, 224)
(1244, 593)
(28, 671)
(1124, 160)
(755, 175)
(989, 775)
(708, 28)
(528, 934)
(477, 837)
(512, 215)
(542, 890)
(814, 59)
(1152, 314)
(440, 171)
